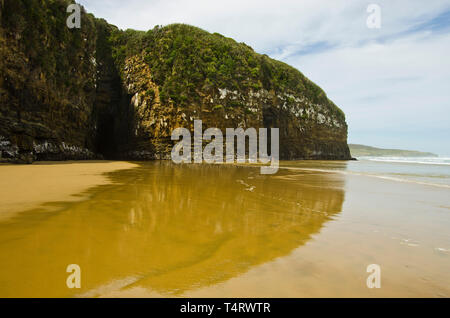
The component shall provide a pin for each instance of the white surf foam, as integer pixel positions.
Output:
(425, 160)
(346, 172)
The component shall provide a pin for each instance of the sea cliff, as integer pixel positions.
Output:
(100, 92)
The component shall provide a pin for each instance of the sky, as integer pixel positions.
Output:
(392, 82)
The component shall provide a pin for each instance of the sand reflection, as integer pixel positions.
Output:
(165, 228)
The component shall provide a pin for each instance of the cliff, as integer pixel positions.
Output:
(47, 83)
(99, 92)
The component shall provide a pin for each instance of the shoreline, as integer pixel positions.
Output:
(21, 163)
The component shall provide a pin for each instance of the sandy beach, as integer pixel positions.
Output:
(24, 187)
(157, 229)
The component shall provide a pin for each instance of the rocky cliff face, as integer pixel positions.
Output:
(98, 91)
(47, 83)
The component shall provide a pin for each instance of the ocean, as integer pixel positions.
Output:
(431, 171)
(426, 171)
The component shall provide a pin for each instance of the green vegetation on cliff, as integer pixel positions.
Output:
(367, 151)
(185, 59)
(62, 55)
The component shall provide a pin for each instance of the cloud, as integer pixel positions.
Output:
(391, 82)
(399, 87)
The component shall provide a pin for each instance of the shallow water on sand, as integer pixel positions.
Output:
(158, 229)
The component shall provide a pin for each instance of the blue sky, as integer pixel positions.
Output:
(393, 83)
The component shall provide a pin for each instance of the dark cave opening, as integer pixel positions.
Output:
(269, 120)
(106, 143)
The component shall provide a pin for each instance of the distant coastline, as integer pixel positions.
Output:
(365, 151)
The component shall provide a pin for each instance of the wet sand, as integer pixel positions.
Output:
(24, 187)
(162, 230)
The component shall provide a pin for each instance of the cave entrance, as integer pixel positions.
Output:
(269, 120)
(106, 143)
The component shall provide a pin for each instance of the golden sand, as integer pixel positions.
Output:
(164, 230)
(24, 187)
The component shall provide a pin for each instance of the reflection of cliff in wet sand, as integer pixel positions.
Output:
(167, 229)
